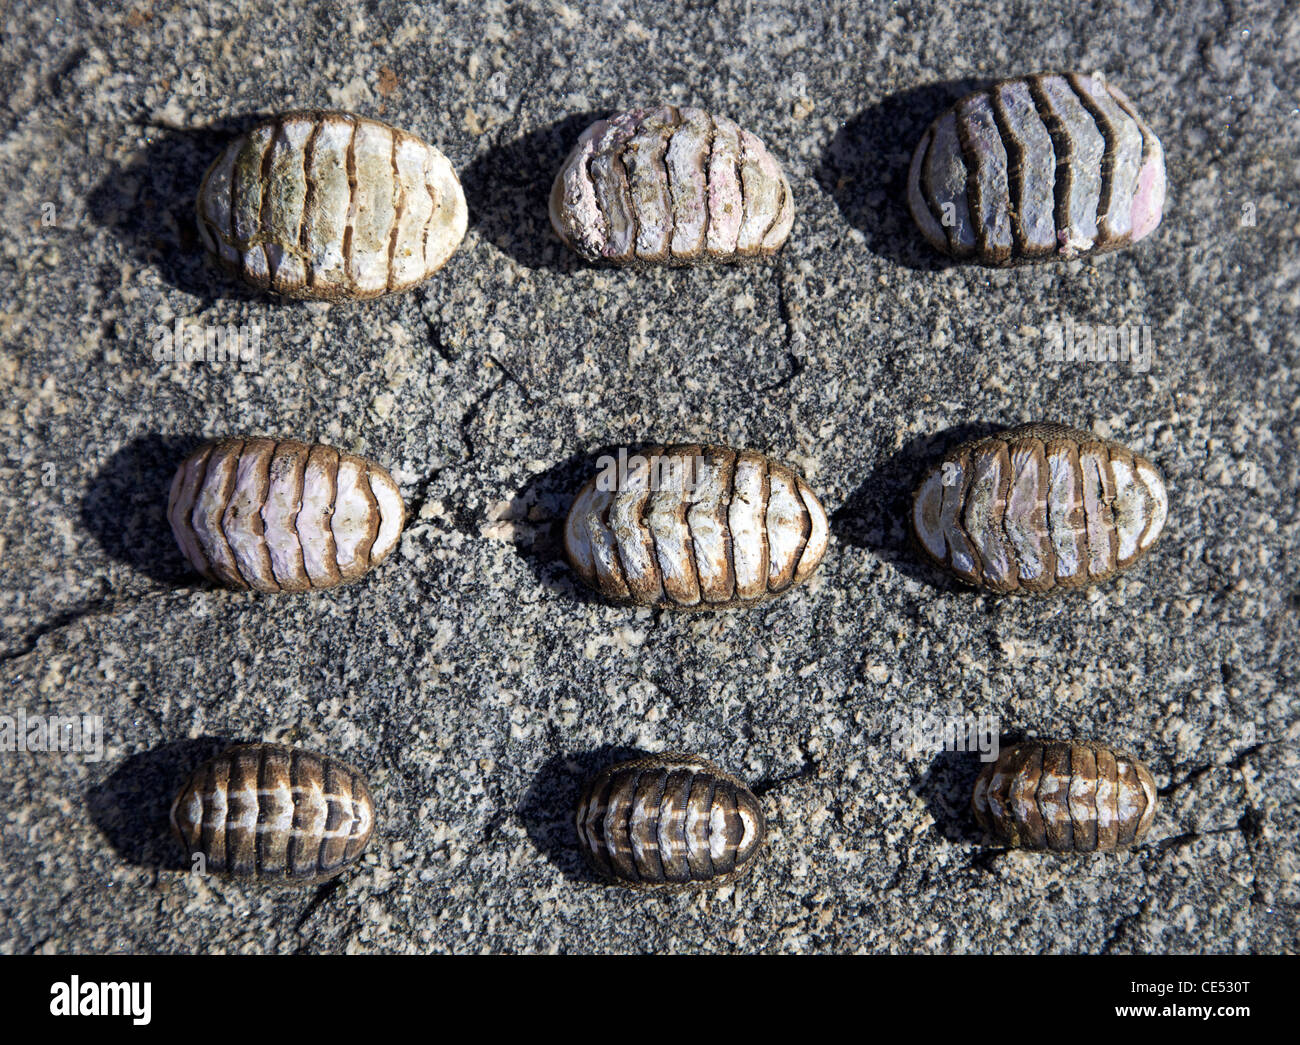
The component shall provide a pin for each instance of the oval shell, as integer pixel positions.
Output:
(669, 821)
(330, 205)
(1066, 796)
(268, 812)
(1039, 508)
(670, 186)
(280, 515)
(695, 527)
(1057, 165)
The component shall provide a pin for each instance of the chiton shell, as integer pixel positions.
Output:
(695, 527)
(1038, 508)
(670, 186)
(1067, 796)
(330, 205)
(280, 515)
(268, 812)
(669, 821)
(1057, 165)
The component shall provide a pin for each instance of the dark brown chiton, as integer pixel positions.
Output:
(669, 821)
(1065, 796)
(1039, 508)
(271, 813)
(1057, 165)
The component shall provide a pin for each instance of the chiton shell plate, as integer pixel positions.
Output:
(282, 515)
(1065, 796)
(696, 527)
(669, 821)
(272, 813)
(329, 205)
(1057, 165)
(1039, 508)
(671, 186)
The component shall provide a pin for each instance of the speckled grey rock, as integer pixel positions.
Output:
(471, 681)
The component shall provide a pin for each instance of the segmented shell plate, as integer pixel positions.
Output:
(1039, 508)
(669, 821)
(670, 186)
(1046, 166)
(280, 515)
(329, 205)
(733, 531)
(269, 812)
(1065, 796)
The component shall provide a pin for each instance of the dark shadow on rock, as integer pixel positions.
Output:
(148, 204)
(946, 788)
(131, 806)
(876, 515)
(125, 507)
(864, 169)
(547, 808)
(508, 188)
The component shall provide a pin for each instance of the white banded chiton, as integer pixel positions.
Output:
(271, 813)
(1057, 165)
(1065, 796)
(669, 821)
(695, 527)
(329, 205)
(1039, 508)
(282, 515)
(670, 186)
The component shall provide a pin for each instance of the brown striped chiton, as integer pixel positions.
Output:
(1065, 796)
(696, 527)
(671, 186)
(1039, 508)
(1057, 165)
(281, 515)
(669, 822)
(329, 205)
(271, 813)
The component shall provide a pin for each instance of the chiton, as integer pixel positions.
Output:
(1039, 508)
(1057, 165)
(268, 812)
(329, 205)
(1066, 796)
(671, 186)
(669, 821)
(280, 515)
(695, 527)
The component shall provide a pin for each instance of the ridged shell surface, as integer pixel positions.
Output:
(671, 186)
(329, 205)
(696, 527)
(268, 812)
(281, 515)
(1065, 796)
(1057, 165)
(669, 821)
(1039, 508)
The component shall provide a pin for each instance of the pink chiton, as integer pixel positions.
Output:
(1039, 508)
(1066, 796)
(695, 527)
(281, 515)
(1057, 165)
(670, 186)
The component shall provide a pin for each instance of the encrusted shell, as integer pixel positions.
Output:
(1038, 508)
(670, 186)
(280, 515)
(330, 205)
(1056, 165)
(272, 813)
(695, 527)
(1067, 796)
(669, 821)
